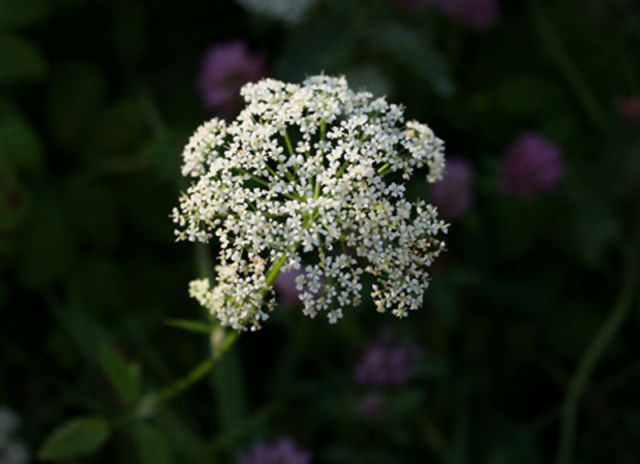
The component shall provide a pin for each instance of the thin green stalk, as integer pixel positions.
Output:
(317, 190)
(383, 169)
(287, 140)
(197, 372)
(274, 271)
(588, 362)
(227, 377)
(152, 401)
(562, 59)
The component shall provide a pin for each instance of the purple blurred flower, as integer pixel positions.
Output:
(387, 363)
(225, 69)
(453, 195)
(285, 286)
(477, 14)
(533, 165)
(284, 451)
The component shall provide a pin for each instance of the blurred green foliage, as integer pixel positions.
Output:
(97, 99)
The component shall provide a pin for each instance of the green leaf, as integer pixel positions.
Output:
(117, 130)
(93, 215)
(45, 257)
(130, 32)
(123, 376)
(190, 325)
(20, 146)
(14, 203)
(413, 53)
(78, 437)
(19, 59)
(526, 95)
(301, 55)
(16, 13)
(77, 91)
(152, 446)
(163, 154)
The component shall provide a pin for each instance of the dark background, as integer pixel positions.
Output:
(97, 99)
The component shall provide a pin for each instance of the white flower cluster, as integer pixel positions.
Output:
(309, 177)
(12, 451)
(288, 11)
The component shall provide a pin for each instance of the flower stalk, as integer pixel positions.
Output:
(590, 358)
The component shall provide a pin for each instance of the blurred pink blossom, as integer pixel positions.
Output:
(453, 195)
(284, 451)
(533, 165)
(387, 363)
(226, 67)
(285, 286)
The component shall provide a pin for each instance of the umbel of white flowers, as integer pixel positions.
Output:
(301, 180)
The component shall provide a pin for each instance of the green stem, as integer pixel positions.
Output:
(152, 401)
(199, 371)
(227, 377)
(588, 362)
(317, 190)
(287, 140)
(561, 57)
(383, 169)
(274, 271)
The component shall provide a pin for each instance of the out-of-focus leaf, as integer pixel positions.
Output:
(370, 79)
(513, 443)
(81, 326)
(568, 337)
(345, 8)
(460, 439)
(46, 248)
(3, 288)
(14, 203)
(525, 95)
(130, 32)
(15, 13)
(561, 126)
(98, 284)
(413, 53)
(19, 59)
(597, 233)
(146, 207)
(191, 326)
(123, 375)
(152, 446)
(92, 213)
(302, 56)
(347, 455)
(74, 100)
(20, 146)
(407, 401)
(164, 154)
(117, 130)
(78, 437)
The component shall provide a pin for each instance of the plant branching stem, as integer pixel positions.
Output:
(569, 70)
(589, 360)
